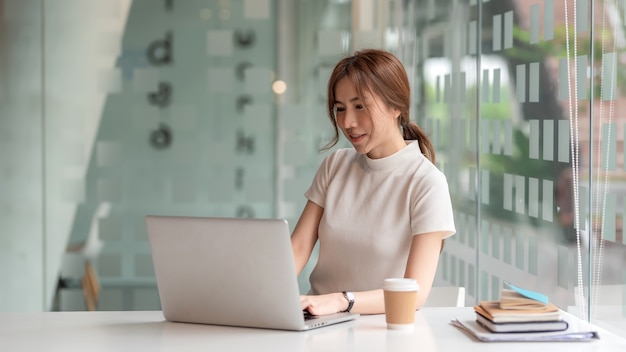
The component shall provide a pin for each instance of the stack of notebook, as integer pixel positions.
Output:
(519, 310)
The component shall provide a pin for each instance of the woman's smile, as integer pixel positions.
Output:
(355, 137)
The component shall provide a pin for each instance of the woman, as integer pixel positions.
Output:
(380, 209)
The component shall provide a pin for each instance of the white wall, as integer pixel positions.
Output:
(82, 43)
(21, 239)
(46, 139)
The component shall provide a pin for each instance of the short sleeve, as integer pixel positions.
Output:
(317, 191)
(431, 206)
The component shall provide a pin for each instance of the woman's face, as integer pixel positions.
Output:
(367, 122)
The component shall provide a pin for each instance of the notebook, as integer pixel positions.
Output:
(227, 271)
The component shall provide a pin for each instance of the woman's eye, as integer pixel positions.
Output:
(359, 107)
(338, 110)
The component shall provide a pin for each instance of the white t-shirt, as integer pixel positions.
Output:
(372, 209)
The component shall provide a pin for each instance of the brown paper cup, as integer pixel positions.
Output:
(400, 298)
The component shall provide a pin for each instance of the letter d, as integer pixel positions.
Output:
(159, 52)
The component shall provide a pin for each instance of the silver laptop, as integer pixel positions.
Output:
(226, 271)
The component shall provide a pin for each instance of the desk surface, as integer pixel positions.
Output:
(147, 331)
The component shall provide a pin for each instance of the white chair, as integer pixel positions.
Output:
(446, 296)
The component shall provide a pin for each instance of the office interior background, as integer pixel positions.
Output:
(114, 109)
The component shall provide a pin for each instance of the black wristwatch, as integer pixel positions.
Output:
(350, 297)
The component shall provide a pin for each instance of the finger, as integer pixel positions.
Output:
(305, 304)
(316, 310)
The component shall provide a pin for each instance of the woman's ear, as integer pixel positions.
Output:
(397, 113)
(393, 111)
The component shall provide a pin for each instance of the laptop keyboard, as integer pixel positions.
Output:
(307, 315)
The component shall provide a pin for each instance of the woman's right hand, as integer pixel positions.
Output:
(324, 304)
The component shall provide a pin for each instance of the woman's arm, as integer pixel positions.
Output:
(365, 302)
(421, 265)
(304, 234)
(422, 262)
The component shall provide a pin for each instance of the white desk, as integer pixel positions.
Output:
(146, 331)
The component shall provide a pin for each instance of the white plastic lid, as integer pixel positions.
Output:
(400, 284)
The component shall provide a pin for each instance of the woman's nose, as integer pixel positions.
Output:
(349, 120)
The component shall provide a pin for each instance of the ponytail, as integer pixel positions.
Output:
(411, 131)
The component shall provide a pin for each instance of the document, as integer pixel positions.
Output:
(578, 330)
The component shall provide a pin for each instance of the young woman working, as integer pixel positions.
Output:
(380, 209)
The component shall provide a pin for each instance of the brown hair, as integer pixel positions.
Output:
(381, 73)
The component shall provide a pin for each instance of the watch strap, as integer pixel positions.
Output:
(350, 298)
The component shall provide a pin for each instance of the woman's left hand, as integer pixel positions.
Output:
(324, 304)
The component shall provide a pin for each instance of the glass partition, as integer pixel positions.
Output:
(177, 99)
(525, 96)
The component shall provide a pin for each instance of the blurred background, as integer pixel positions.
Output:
(114, 109)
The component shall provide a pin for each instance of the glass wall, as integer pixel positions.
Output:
(111, 110)
(129, 108)
(523, 100)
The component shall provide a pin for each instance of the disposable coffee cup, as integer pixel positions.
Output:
(400, 298)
